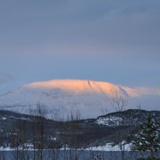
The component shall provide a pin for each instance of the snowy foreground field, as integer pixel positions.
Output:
(108, 147)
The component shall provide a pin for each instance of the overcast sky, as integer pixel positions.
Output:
(117, 41)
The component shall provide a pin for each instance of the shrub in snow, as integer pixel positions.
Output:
(97, 157)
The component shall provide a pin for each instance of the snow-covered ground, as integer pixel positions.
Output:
(111, 147)
(109, 121)
(107, 147)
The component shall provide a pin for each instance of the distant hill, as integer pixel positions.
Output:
(131, 117)
(111, 128)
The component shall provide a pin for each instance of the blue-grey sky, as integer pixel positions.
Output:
(108, 40)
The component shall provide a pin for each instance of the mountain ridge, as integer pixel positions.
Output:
(63, 96)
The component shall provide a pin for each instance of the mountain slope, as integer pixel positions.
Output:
(79, 97)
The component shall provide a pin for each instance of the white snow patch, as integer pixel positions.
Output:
(5, 149)
(111, 147)
(4, 118)
(109, 121)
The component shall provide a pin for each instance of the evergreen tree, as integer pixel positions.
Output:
(149, 137)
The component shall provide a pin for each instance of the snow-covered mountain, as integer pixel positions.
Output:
(83, 98)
